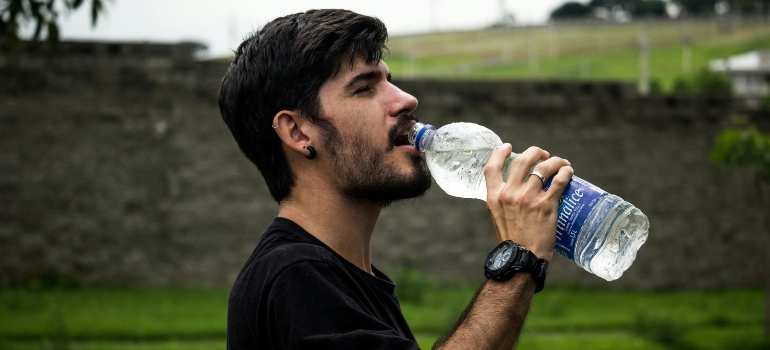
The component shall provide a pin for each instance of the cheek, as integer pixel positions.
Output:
(361, 119)
(369, 128)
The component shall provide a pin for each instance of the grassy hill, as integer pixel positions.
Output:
(576, 51)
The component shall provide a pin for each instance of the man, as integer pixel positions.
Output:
(310, 102)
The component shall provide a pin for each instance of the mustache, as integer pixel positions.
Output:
(395, 130)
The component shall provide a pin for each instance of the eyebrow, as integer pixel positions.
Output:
(373, 74)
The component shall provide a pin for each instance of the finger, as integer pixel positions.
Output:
(547, 169)
(524, 162)
(560, 181)
(493, 170)
(539, 179)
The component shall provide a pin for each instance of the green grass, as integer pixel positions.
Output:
(101, 313)
(114, 345)
(564, 318)
(561, 318)
(573, 51)
(602, 52)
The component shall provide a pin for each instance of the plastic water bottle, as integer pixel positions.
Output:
(597, 230)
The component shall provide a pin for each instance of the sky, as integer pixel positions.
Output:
(221, 24)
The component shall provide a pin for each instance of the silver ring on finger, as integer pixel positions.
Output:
(539, 175)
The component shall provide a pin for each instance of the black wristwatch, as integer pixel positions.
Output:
(509, 258)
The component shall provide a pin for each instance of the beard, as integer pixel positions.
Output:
(366, 174)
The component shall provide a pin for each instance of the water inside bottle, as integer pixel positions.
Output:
(457, 158)
(610, 238)
(460, 173)
(607, 241)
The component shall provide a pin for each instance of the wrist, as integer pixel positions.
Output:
(544, 253)
(522, 282)
(540, 249)
(509, 259)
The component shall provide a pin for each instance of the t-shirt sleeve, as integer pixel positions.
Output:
(312, 305)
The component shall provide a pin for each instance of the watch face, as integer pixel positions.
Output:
(501, 257)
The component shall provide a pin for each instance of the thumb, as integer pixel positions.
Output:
(493, 171)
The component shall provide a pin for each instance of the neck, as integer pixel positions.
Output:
(343, 224)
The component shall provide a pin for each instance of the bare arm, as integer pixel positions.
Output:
(522, 212)
(494, 318)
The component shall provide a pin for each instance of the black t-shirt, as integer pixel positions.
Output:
(294, 292)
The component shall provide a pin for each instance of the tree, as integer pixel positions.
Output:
(747, 147)
(707, 7)
(618, 10)
(42, 13)
(649, 8)
(750, 7)
(571, 10)
(696, 7)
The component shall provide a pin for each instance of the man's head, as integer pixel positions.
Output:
(282, 67)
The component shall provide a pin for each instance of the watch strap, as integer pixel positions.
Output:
(539, 273)
(526, 261)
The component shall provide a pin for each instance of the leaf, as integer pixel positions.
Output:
(35, 6)
(6, 6)
(96, 8)
(42, 14)
(53, 33)
(38, 28)
(743, 147)
(14, 8)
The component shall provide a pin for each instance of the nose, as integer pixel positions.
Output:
(403, 103)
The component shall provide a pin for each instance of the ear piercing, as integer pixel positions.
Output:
(312, 154)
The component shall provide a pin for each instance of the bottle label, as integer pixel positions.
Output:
(579, 198)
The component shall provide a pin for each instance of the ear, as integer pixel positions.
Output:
(294, 131)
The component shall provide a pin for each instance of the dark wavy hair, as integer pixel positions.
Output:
(282, 67)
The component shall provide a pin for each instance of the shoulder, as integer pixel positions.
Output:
(272, 262)
(290, 253)
(272, 272)
(283, 244)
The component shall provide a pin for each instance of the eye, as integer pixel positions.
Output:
(362, 89)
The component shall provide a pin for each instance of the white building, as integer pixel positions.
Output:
(749, 73)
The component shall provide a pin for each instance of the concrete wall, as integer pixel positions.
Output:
(115, 168)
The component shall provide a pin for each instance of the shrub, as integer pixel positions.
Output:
(708, 82)
(681, 86)
(703, 82)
